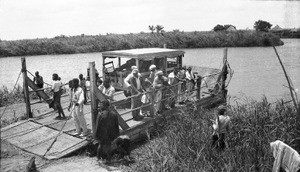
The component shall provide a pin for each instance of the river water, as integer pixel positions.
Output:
(257, 71)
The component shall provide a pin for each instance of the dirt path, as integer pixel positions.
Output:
(14, 159)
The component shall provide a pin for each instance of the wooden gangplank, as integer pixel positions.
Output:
(38, 91)
(36, 138)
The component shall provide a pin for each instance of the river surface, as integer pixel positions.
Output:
(257, 71)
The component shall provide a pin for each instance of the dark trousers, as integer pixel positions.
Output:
(218, 141)
(40, 86)
(85, 97)
(57, 104)
(104, 151)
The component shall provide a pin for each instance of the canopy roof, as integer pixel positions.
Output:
(144, 53)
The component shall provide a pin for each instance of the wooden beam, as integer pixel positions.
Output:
(25, 88)
(94, 109)
(101, 98)
(39, 91)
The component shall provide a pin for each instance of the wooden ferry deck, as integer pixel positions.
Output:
(52, 139)
(37, 134)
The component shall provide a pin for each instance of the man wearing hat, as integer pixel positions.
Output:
(221, 126)
(158, 83)
(153, 71)
(134, 83)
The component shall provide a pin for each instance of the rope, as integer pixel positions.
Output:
(11, 93)
(55, 139)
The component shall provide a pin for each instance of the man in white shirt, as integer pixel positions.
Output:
(134, 83)
(173, 79)
(77, 99)
(56, 88)
(190, 79)
(108, 90)
(153, 71)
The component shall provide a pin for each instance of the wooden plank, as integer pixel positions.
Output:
(19, 129)
(101, 97)
(33, 138)
(64, 145)
(12, 125)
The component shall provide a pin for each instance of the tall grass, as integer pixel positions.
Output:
(99, 43)
(184, 141)
(8, 97)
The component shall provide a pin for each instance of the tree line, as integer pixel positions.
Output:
(99, 43)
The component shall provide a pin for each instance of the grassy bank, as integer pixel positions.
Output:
(8, 97)
(183, 143)
(99, 43)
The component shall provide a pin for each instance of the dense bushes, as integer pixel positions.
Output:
(100, 43)
(184, 142)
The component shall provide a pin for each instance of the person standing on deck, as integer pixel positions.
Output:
(77, 99)
(153, 71)
(56, 88)
(182, 86)
(107, 130)
(108, 90)
(159, 82)
(173, 80)
(220, 126)
(135, 84)
(83, 86)
(38, 80)
(190, 79)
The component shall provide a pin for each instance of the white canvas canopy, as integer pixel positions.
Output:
(144, 53)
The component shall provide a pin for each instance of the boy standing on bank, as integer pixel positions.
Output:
(221, 127)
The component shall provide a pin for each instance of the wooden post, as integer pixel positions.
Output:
(225, 55)
(198, 82)
(225, 70)
(25, 88)
(94, 107)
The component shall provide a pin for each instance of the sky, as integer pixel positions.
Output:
(30, 19)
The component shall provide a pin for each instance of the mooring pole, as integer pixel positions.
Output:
(25, 88)
(94, 109)
(224, 74)
(198, 82)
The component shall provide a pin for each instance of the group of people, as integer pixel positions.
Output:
(154, 89)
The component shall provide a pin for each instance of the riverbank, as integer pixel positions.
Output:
(99, 43)
(183, 143)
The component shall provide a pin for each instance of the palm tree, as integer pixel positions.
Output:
(151, 28)
(159, 28)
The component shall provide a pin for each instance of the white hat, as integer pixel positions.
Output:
(159, 73)
(133, 67)
(152, 67)
(135, 71)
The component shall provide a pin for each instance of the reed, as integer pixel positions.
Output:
(99, 43)
(183, 143)
(8, 97)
